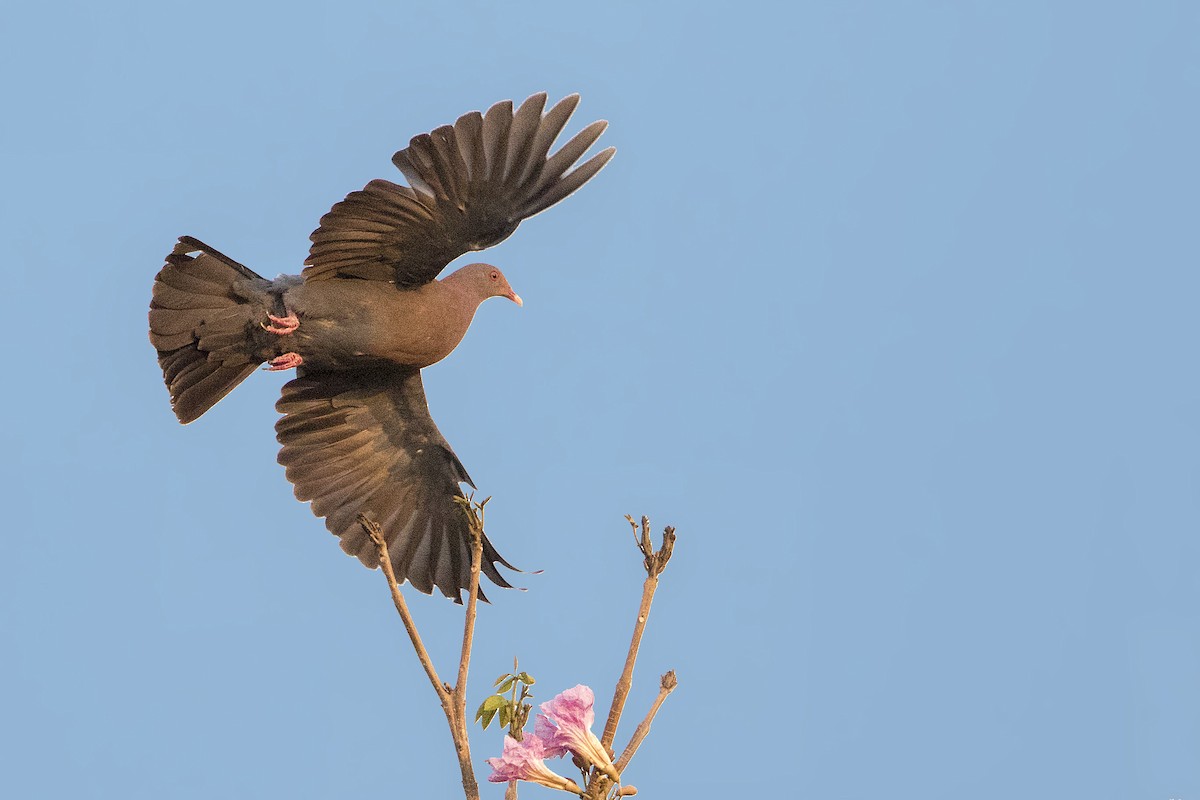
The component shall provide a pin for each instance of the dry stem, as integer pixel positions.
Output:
(385, 562)
(667, 685)
(655, 563)
(453, 699)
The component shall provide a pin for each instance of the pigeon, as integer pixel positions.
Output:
(364, 317)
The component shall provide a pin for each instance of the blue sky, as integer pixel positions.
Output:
(890, 308)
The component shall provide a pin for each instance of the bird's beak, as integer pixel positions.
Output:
(516, 298)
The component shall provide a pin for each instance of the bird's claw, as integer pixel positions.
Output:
(285, 361)
(281, 326)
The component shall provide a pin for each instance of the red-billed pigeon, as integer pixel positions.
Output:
(362, 319)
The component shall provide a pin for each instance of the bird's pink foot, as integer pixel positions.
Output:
(281, 325)
(285, 361)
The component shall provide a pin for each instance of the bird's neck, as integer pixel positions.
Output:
(463, 292)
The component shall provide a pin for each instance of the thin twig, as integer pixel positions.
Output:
(385, 562)
(458, 722)
(625, 683)
(464, 659)
(666, 686)
(453, 699)
(655, 563)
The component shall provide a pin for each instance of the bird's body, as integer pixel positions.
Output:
(361, 321)
(347, 324)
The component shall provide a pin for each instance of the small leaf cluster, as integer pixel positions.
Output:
(513, 710)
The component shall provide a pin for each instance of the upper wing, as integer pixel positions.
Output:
(471, 184)
(363, 442)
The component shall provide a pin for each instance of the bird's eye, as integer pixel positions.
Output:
(495, 275)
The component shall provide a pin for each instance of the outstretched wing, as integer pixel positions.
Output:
(470, 185)
(363, 442)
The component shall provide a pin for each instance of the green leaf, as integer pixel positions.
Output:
(501, 679)
(505, 715)
(489, 707)
(494, 702)
(504, 687)
(525, 679)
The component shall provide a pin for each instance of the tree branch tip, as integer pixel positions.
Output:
(370, 526)
(668, 682)
(655, 561)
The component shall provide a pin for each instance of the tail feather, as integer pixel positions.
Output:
(204, 317)
(195, 383)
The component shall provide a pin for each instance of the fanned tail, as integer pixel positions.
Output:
(204, 322)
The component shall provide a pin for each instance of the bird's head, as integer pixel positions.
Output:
(484, 281)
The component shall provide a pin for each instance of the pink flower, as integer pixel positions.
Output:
(522, 761)
(565, 724)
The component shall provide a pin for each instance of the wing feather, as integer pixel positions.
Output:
(363, 442)
(470, 185)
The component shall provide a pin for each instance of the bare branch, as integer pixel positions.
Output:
(464, 660)
(385, 562)
(458, 717)
(667, 685)
(655, 563)
(453, 699)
